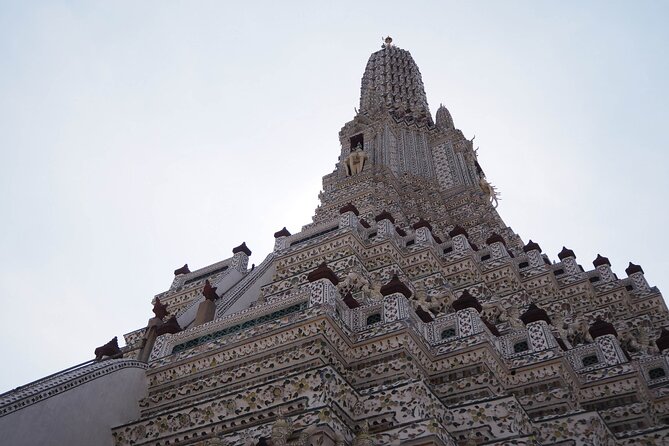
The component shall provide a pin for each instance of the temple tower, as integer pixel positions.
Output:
(413, 168)
(407, 313)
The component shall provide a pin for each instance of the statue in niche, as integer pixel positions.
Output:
(436, 305)
(355, 282)
(471, 439)
(494, 312)
(560, 325)
(281, 430)
(577, 332)
(490, 191)
(637, 339)
(363, 438)
(355, 161)
(512, 316)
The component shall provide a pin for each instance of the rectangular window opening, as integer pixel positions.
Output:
(357, 140)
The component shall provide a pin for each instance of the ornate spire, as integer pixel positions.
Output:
(282, 233)
(632, 268)
(323, 272)
(466, 300)
(534, 314)
(601, 261)
(393, 82)
(444, 119)
(531, 246)
(565, 253)
(600, 328)
(242, 248)
(395, 286)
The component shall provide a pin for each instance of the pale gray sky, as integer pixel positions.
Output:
(137, 136)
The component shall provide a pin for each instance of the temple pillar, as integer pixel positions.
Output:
(322, 286)
(605, 335)
(533, 252)
(348, 216)
(498, 251)
(636, 275)
(323, 292)
(280, 239)
(423, 237)
(150, 336)
(540, 336)
(568, 259)
(603, 267)
(423, 233)
(395, 307)
(385, 229)
(240, 258)
(469, 322)
(461, 244)
(611, 350)
(205, 312)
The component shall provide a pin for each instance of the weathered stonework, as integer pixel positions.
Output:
(334, 358)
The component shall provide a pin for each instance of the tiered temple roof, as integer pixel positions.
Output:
(406, 313)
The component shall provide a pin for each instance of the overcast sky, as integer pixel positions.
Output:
(137, 136)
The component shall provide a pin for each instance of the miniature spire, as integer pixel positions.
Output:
(424, 315)
(600, 328)
(565, 253)
(282, 233)
(458, 230)
(422, 223)
(632, 268)
(466, 300)
(531, 246)
(349, 208)
(534, 314)
(350, 301)
(444, 119)
(385, 215)
(395, 286)
(242, 248)
(171, 326)
(601, 261)
(663, 341)
(392, 83)
(323, 272)
(494, 238)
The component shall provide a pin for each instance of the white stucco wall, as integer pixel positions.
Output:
(80, 416)
(250, 296)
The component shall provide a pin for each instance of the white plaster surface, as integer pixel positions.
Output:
(81, 416)
(250, 296)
